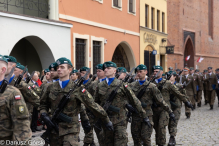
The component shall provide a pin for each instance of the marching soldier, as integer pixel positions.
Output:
(217, 89)
(140, 131)
(196, 82)
(117, 110)
(75, 75)
(190, 90)
(205, 86)
(177, 75)
(47, 75)
(14, 121)
(123, 74)
(176, 105)
(69, 126)
(212, 84)
(200, 88)
(89, 136)
(161, 117)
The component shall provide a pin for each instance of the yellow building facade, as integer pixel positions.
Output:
(153, 33)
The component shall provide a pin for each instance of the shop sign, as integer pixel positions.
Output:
(150, 38)
(170, 49)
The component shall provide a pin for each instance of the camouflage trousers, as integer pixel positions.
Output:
(199, 96)
(161, 120)
(65, 140)
(211, 97)
(89, 137)
(172, 127)
(100, 136)
(141, 132)
(118, 137)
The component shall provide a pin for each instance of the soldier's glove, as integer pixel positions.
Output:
(172, 116)
(131, 109)
(189, 105)
(109, 126)
(147, 122)
(46, 119)
(86, 126)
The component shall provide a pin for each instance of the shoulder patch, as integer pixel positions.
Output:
(126, 85)
(17, 97)
(21, 109)
(33, 86)
(29, 87)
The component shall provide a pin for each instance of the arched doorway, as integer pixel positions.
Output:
(189, 51)
(149, 59)
(33, 52)
(123, 56)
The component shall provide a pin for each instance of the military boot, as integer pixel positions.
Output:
(172, 141)
(187, 115)
(92, 144)
(211, 107)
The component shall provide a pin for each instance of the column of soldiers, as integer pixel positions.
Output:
(105, 104)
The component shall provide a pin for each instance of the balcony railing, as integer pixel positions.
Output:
(37, 8)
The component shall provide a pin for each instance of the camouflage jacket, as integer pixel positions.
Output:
(175, 101)
(14, 116)
(53, 96)
(167, 89)
(30, 97)
(151, 93)
(35, 88)
(124, 95)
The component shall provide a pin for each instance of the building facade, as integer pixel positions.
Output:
(103, 30)
(153, 33)
(32, 34)
(193, 29)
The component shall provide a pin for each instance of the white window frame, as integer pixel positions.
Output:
(100, 1)
(120, 5)
(134, 7)
(100, 39)
(87, 41)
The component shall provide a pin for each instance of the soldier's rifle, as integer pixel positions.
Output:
(168, 78)
(20, 77)
(132, 79)
(29, 77)
(111, 97)
(6, 81)
(57, 115)
(94, 77)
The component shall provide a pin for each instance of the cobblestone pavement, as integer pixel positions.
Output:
(202, 129)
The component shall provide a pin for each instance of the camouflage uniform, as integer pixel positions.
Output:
(119, 136)
(140, 131)
(161, 117)
(14, 123)
(30, 97)
(200, 89)
(68, 132)
(176, 105)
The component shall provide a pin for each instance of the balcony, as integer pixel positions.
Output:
(36, 8)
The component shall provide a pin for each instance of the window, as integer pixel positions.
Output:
(152, 18)
(131, 6)
(117, 3)
(80, 53)
(96, 55)
(158, 20)
(210, 18)
(146, 15)
(163, 22)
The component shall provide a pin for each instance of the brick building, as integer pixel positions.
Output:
(193, 28)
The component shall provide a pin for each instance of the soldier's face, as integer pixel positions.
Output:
(54, 74)
(191, 71)
(186, 72)
(100, 74)
(217, 72)
(74, 76)
(210, 70)
(48, 76)
(83, 73)
(122, 76)
(159, 75)
(10, 66)
(17, 72)
(110, 72)
(63, 71)
(141, 74)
